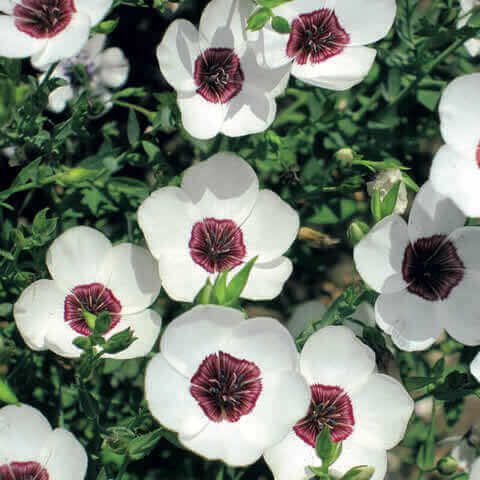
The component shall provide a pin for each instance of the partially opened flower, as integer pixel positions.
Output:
(47, 30)
(383, 183)
(220, 85)
(367, 411)
(455, 169)
(30, 449)
(219, 219)
(90, 276)
(105, 69)
(325, 46)
(427, 273)
(472, 45)
(228, 386)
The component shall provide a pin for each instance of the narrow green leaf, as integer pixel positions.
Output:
(362, 472)
(238, 282)
(120, 341)
(219, 290)
(272, 3)
(417, 383)
(388, 203)
(376, 206)
(259, 18)
(281, 25)
(6, 393)
(133, 128)
(203, 297)
(82, 342)
(102, 324)
(327, 450)
(141, 446)
(426, 453)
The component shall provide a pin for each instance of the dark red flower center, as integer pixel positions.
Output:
(225, 387)
(432, 268)
(93, 298)
(330, 407)
(217, 245)
(316, 36)
(218, 75)
(23, 471)
(43, 18)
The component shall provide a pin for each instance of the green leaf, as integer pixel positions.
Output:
(417, 383)
(429, 98)
(438, 368)
(320, 473)
(219, 290)
(82, 342)
(106, 27)
(43, 227)
(102, 474)
(102, 324)
(388, 203)
(272, 3)
(88, 403)
(426, 453)
(203, 297)
(281, 25)
(133, 128)
(376, 206)
(362, 472)
(259, 18)
(238, 282)
(141, 446)
(327, 450)
(120, 341)
(6, 393)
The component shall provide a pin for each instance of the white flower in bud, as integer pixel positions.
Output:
(383, 183)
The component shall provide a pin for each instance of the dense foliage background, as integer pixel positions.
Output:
(81, 168)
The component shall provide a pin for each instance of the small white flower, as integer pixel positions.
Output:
(47, 30)
(455, 169)
(325, 47)
(472, 45)
(367, 411)
(106, 69)
(90, 274)
(228, 386)
(475, 367)
(220, 86)
(426, 273)
(384, 181)
(216, 220)
(29, 448)
(475, 471)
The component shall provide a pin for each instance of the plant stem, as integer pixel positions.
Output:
(148, 113)
(123, 468)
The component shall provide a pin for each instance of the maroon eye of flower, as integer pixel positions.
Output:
(93, 298)
(218, 75)
(23, 471)
(432, 268)
(477, 155)
(225, 387)
(330, 407)
(316, 36)
(217, 245)
(43, 18)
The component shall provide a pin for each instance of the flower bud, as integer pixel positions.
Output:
(447, 466)
(345, 155)
(362, 472)
(384, 182)
(77, 175)
(356, 231)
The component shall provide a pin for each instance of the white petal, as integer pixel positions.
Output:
(146, 327)
(223, 441)
(64, 456)
(303, 315)
(95, 45)
(213, 325)
(265, 342)
(334, 356)
(114, 67)
(266, 280)
(458, 111)
(365, 21)
(433, 213)
(181, 277)
(131, 273)
(40, 305)
(67, 43)
(59, 339)
(14, 43)
(266, 235)
(75, 257)
(466, 241)
(23, 431)
(273, 48)
(166, 218)
(57, 100)
(177, 53)
(7, 6)
(283, 401)
(365, 313)
(290, 459)
(475, 471)
(95, 9)
(382, 409)
(340, 72)
(223, 23)
(459, 312)
(224, 187)
(475, 367)
(410, 320)
(354, 454)
(473, 46)
(457, 176)
(379, 255)
(200, 118)
(167, 393)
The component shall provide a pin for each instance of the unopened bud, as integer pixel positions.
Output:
(356, 231)
(383, 182)
(345, 155)
(362, 472)
(447, 466)
(316, 238)
(77, 175)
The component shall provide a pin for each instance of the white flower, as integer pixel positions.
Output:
(105, 68)
(465, 454)
(90, 274)
(216, 220)
(427, 273)
(220, 86)
(324, 47)
(475, 367)
(475, 471)
(367, 411)
(455, 169)
(47, 30)
(228, 386)
(472, 45)
(384, 181)
(29, 448)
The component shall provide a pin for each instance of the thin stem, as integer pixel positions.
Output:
(148, 113)
(49, 73)
(123, 468)
(359, 114)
